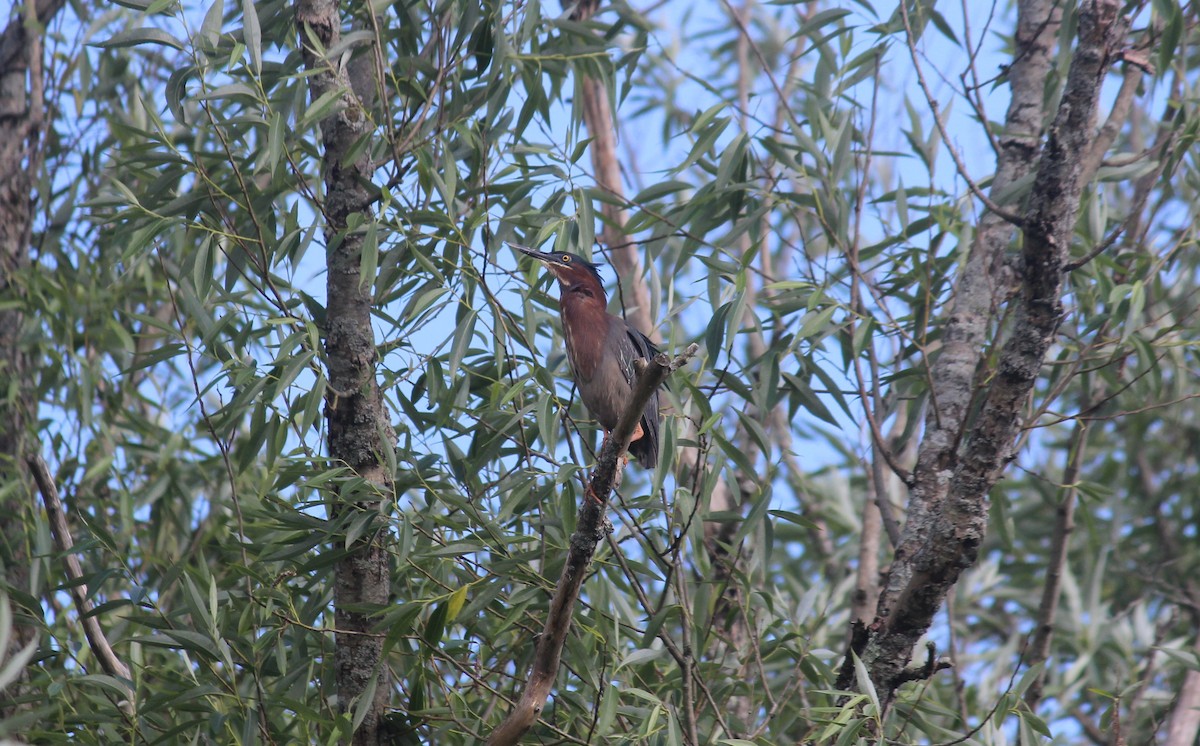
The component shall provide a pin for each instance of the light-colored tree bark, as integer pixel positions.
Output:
(633, 292)
(1184, 723)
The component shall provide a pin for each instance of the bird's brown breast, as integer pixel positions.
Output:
(596, 359)
(585, 329)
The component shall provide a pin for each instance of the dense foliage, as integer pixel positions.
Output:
(804, 183)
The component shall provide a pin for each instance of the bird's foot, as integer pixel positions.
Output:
(591, 495)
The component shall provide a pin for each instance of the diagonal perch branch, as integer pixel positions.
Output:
(589, 531)
(97, 640)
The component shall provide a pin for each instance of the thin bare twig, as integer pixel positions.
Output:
(1000, 212)
(1064, 526)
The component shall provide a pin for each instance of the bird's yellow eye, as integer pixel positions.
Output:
(566, 258)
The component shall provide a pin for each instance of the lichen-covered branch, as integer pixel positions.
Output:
(978, 289)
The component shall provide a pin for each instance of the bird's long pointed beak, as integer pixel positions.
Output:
(542, 256)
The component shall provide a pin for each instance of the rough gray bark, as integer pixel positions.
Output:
(978, 288)
(22, 125)
(957, 466)
(359, 431)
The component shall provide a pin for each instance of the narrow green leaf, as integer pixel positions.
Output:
(816, 323)
(435, 625)
(1172, 32)
(16, 662)
(369, 262)
(660, 190)
(862, 679)
(808, 398)
(252, 34)
(366, 700)
(214, 19)
(714, 337)
(758, 511)
(138, 36)
(1133, 318)
(586, 217)
(463, 334)
(704, 143)
(455, 604)
(795, 518)
(328, 103)
(276, 136)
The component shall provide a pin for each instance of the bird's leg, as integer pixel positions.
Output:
(625, 456)
(638, 434)
(588, 492)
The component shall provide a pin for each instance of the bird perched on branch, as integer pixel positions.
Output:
(601, 348)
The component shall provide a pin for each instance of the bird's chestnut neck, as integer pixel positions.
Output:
(582, 290)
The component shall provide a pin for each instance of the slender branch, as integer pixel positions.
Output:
(866, 581)
(1064, 526)
(1116, 119)
(590, 529)
(882, 493)
(999, 211)
(97, 641)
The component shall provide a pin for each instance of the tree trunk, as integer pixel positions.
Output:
(598, 117)
(21, 129)
(359, 431)
(957, 465)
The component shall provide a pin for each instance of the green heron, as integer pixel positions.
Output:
(601, 348)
